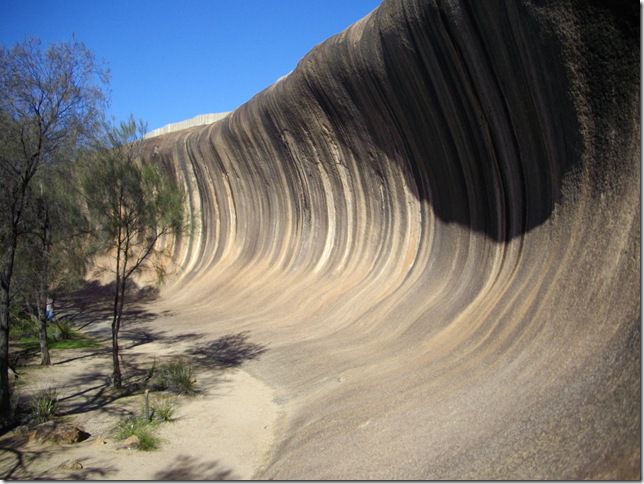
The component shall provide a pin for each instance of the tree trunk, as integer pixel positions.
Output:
(5, 406)
(44, 290)
(44, 347)
(116, 320)
(116, 373)
(119, 300)
(5, 285)
(116, 323)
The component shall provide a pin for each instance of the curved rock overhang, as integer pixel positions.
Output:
(434, 223)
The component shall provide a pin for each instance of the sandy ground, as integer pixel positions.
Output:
(224, 432)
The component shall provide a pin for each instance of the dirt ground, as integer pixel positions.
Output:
(225, 431)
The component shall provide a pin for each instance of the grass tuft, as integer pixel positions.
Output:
(43, 405)
(140, 427)
(163, 409)
(175, 376)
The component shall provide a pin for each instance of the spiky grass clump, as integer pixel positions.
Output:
(43, 405)
(163, 409)
(143, 429)
(175, 376)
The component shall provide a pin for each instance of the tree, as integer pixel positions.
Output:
(50, 99)
(53, 254)
(132, 205)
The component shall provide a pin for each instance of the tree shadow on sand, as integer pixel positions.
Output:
(17, 464)
(187, 468)
(14, 463)
(227, 351)
(94, 302)
(91, 390)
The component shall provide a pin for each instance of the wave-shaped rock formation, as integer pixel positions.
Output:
(433, 224)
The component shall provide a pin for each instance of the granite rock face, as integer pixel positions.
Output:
(433, 224)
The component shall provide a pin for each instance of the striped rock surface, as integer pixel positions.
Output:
(433, 224)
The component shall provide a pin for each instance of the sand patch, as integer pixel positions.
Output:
(224, 432)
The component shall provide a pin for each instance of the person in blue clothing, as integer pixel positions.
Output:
(49, 311)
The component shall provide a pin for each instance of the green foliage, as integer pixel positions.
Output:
(51, 102)
(140, 427)
(22, 326)
(147, 441)
(61, 336)
(163, 409)
(43, 405)
(53, 256)
(74, 344)
(175, 376)
(129, 197)
(68, 344)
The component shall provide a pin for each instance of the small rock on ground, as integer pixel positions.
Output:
(132, 442)
(71, 465)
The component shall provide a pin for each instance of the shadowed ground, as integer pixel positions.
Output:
(434, 224)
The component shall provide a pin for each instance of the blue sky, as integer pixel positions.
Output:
(171, 60)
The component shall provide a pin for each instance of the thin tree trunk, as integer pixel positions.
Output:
(5, 285)
(119, 301)
(116, 320)
(44, 291)
(121, 265)
(116, 373)
(117, 326)
(116, 323)
(44, 347)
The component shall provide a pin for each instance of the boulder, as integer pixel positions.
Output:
(60, 433)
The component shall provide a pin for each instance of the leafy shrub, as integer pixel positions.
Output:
(163, 409)
(43, 405)
(140, 427)
(175, 376)
(23, 327)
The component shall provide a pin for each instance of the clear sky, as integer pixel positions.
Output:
(173, 59)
